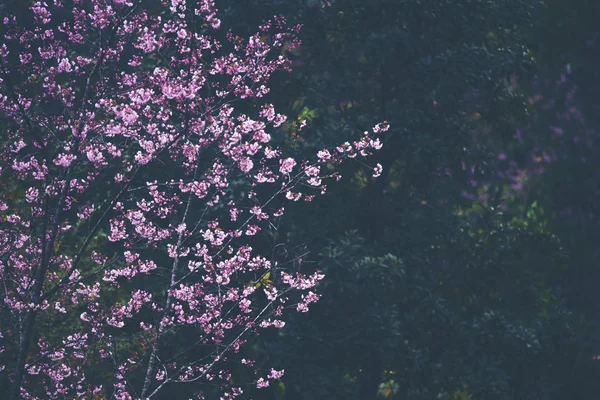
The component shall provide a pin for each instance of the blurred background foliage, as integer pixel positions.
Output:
(469, 269)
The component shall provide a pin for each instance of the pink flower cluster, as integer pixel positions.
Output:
(133, 191)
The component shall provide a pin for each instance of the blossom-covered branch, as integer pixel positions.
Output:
(133, 192)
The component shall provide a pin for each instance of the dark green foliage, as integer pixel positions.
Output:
(477, 314)
(430, 294)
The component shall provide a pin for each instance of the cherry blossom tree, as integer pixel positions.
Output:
(138, 168)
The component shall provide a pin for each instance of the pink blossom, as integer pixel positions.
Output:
(96, 157)
(129, 116)
(32, 195)
(64, 160)
(246, 164)
(274, 374)
(262, 383)
(377, 170)
(64, 66)
(324, 155)
(287, 165)
(312, 170)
